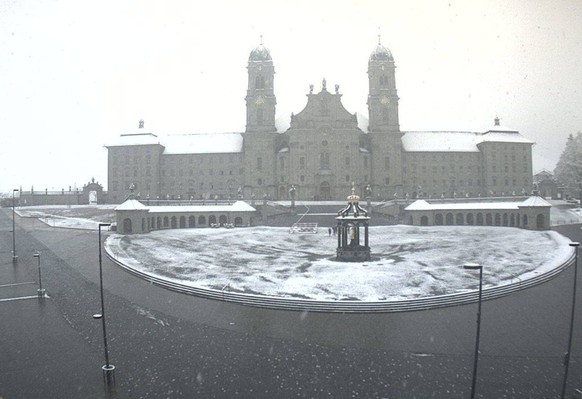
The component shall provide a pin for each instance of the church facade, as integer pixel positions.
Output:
(322, 153)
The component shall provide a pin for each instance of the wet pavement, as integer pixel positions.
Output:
(166, 344)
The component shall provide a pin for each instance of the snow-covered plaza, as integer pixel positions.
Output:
(407, 262)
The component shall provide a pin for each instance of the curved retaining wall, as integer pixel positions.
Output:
(405, 305)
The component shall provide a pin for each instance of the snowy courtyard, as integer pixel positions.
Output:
(407, 262)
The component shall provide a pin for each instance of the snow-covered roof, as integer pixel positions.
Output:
(212, 143)
(504, 137)
(131, 205)
(458, 141)
(440, 141)
(238, 206)
(534, 201)
(135, 139)
(422, 205)
(203, 143)
(498, 128)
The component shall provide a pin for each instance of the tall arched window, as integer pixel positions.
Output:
(259, 82)
(489, 220)
(460, 219)
(324, 160)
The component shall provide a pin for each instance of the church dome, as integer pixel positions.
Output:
(381, 53)
(260, 53)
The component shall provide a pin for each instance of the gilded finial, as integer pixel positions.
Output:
(353, 198)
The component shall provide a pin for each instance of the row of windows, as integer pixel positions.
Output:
(434, 169)
(202, 172)
(513, 168)
(323, 162)
(526, 181)
(480, 219)
(200, 160)
(173, 172)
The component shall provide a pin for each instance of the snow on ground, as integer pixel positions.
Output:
(559, 216)
(408, 261)
(89, 216)
(86, 217)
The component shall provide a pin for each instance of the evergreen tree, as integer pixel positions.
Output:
(569, 168)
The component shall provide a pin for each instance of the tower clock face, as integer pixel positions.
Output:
(385, 100)
(260, 100)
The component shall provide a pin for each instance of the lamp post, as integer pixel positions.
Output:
(14, 256)
(108, 368)
(40, 291)
(575, 245)
(475, 266)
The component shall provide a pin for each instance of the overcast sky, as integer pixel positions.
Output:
(75, 74)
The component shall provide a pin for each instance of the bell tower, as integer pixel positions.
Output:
(382, 97)
(260, 97)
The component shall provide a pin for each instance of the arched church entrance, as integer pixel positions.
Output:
(324, 191)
